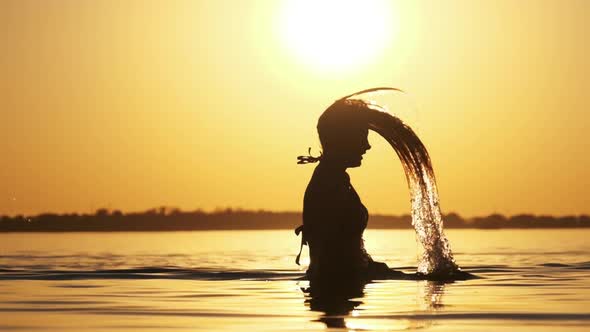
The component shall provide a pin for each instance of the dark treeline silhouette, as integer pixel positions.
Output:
(172, 219)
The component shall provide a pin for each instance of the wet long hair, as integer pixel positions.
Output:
(343, 115)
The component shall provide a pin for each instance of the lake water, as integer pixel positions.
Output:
(531, 280)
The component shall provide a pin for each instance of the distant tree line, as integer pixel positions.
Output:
(173, 219)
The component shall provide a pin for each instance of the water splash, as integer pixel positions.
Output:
(437, 257)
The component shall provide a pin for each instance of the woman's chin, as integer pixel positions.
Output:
(356, 163)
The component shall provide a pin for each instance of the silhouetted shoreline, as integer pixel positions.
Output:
(166, 219)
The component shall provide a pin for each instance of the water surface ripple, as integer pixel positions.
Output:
(231, 281)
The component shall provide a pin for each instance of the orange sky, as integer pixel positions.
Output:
(136, 104)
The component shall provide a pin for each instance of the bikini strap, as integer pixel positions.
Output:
(303, 242)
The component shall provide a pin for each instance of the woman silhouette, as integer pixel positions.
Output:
(334, 217)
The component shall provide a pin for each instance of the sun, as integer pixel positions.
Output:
(336, 34)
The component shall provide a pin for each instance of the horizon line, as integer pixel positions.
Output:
(168, 210)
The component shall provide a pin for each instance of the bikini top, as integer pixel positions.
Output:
(363, 215)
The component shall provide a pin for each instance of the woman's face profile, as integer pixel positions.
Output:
(343, 129)
(359, 147)
(350, 147)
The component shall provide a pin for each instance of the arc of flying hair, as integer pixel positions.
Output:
(311, 159)
(371, 90)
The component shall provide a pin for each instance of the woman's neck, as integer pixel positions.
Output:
(333, 164)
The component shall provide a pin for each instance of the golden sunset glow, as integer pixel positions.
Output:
(334, 35)
(206, 104)
(161, 167)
